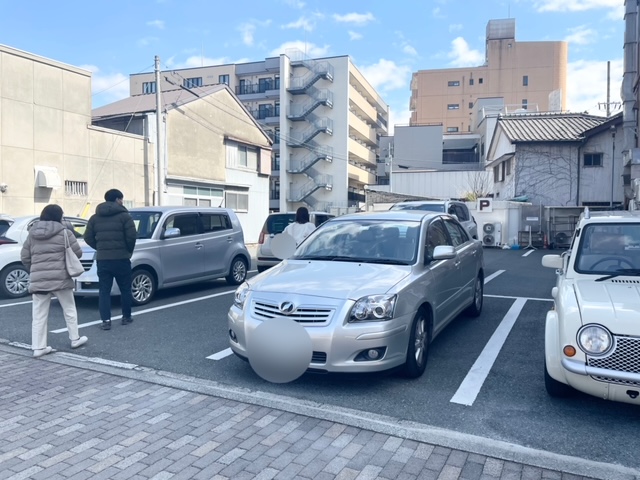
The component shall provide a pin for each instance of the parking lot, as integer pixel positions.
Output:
(484, 376)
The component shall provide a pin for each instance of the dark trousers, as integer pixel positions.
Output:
(120, 270)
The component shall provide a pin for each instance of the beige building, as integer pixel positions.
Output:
(323, 115)
(520, 75)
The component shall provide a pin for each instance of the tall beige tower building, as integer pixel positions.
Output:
(518, 75)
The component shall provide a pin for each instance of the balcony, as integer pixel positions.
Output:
(361, 154)
(360, 176)
(268, 116)
(361, 129)
(362, 107)
(270, 88)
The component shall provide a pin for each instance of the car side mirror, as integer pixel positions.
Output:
(171, 233)
(552, 261)
(443, 252)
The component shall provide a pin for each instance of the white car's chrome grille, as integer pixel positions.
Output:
(625, 358)
(301, 314)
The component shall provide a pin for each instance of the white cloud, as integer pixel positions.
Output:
(401, 116)
(386, 75)
(587, 84)
(247, 30)
(455, 27)
(355, 18)
(200, 61)
(437, 13)
(156, 23)
(409, 50)
(354, 35)
(573, 5)
(309, 49)
(295, 3)
(462, 55)
(108, 87)
(146, 41)
(581, 35)
(302, 23)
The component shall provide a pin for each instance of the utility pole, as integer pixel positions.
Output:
(608, 88)
(159, 159)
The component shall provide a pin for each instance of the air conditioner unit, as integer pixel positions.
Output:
(492, 234)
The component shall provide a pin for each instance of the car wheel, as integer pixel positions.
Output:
(14, 281)
(143, 286)
(418, 348)
(555, 388)
(237, 272)
(475, 309)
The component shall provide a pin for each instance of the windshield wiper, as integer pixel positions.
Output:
(337, 258)
(634, 272)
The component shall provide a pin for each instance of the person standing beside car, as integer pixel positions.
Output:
(112, 233)
(301, 228)
(43, 254)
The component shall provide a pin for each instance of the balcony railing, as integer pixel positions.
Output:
(249, 88)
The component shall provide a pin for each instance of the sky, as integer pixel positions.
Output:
(387, 40)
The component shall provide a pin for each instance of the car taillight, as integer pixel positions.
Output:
(7, 241)
(261, 237)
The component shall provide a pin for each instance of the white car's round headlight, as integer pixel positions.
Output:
(594, 340)
(241, 294)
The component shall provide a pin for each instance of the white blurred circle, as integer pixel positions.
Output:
(283, 245)
(279, 350)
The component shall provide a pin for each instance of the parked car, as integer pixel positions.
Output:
(5, 223)
(178, 246)
(14, 277)
(275, 224)
(371, 289)
(452, 207)
(592, 334)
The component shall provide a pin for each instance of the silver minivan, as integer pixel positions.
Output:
(452, 207)
(177, 246)
(275, 224)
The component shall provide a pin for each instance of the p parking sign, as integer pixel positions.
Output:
(485, 205)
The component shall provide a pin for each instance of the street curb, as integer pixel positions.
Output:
(373, 422)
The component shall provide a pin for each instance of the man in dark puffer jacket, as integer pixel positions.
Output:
(112, 233)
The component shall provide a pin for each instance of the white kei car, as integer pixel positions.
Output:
(592, 335)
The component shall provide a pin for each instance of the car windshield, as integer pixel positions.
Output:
(607, 248)
(146, 222)
(368, 241)
(430, 207)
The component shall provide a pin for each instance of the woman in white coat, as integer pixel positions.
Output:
(301, 227)
(43, 253)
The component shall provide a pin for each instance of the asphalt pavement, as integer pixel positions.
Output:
(68, 417)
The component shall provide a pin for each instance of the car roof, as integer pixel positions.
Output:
(410, 215)
(613, 216)
(173, 209)
(427, 202)
(311, 212)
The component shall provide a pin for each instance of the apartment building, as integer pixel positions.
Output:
(524, 75)
(322, 114)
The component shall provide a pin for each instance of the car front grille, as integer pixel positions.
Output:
(319, 357)
(302, 314)
(624, 358)
(86, 264)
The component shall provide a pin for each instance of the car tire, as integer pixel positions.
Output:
(14, 281)
(237, 272)
(143, 286)
(418, 348)
(555, 388)
(475, 309)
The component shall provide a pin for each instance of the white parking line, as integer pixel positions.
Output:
(526, 254)
(14, 304)
(220, 355)
(149, 310)
(472, 383)
(492, 276)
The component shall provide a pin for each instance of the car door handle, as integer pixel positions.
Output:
(229, 239)
(198, 246)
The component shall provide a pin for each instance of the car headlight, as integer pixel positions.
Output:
(241, 294)
(594, 340)
(373, 308)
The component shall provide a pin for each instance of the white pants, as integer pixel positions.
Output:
(41, 303)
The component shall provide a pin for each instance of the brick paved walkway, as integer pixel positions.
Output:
(62, 422)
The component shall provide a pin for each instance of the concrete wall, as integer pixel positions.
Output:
(451, 184)
(417, 147)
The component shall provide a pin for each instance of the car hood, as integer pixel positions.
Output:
(345, 280)
(611, 303)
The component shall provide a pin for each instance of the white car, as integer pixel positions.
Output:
(372, 290)
(452, 207)
(592, 335)
(14, 278)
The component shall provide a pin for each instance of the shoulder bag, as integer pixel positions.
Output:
(74, 266)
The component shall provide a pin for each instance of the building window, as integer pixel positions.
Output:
(452, 129)
(148, 87)
(275, 190)
(247, 156)
(453, 106)
(524, 103)
(453, 83)
(75, 189)
(525, 80)
(592, 159)
(480, 81)
(202, 196)
(470, 104)
(223, 79)
(192, 82)
(238, 202)
(471, 81)
(508, 166)
(275, 163)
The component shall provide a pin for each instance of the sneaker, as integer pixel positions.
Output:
(126, 321)
(42, 351)
(106, 325)
(79, 342)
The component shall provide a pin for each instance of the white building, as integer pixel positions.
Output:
(323, 115)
